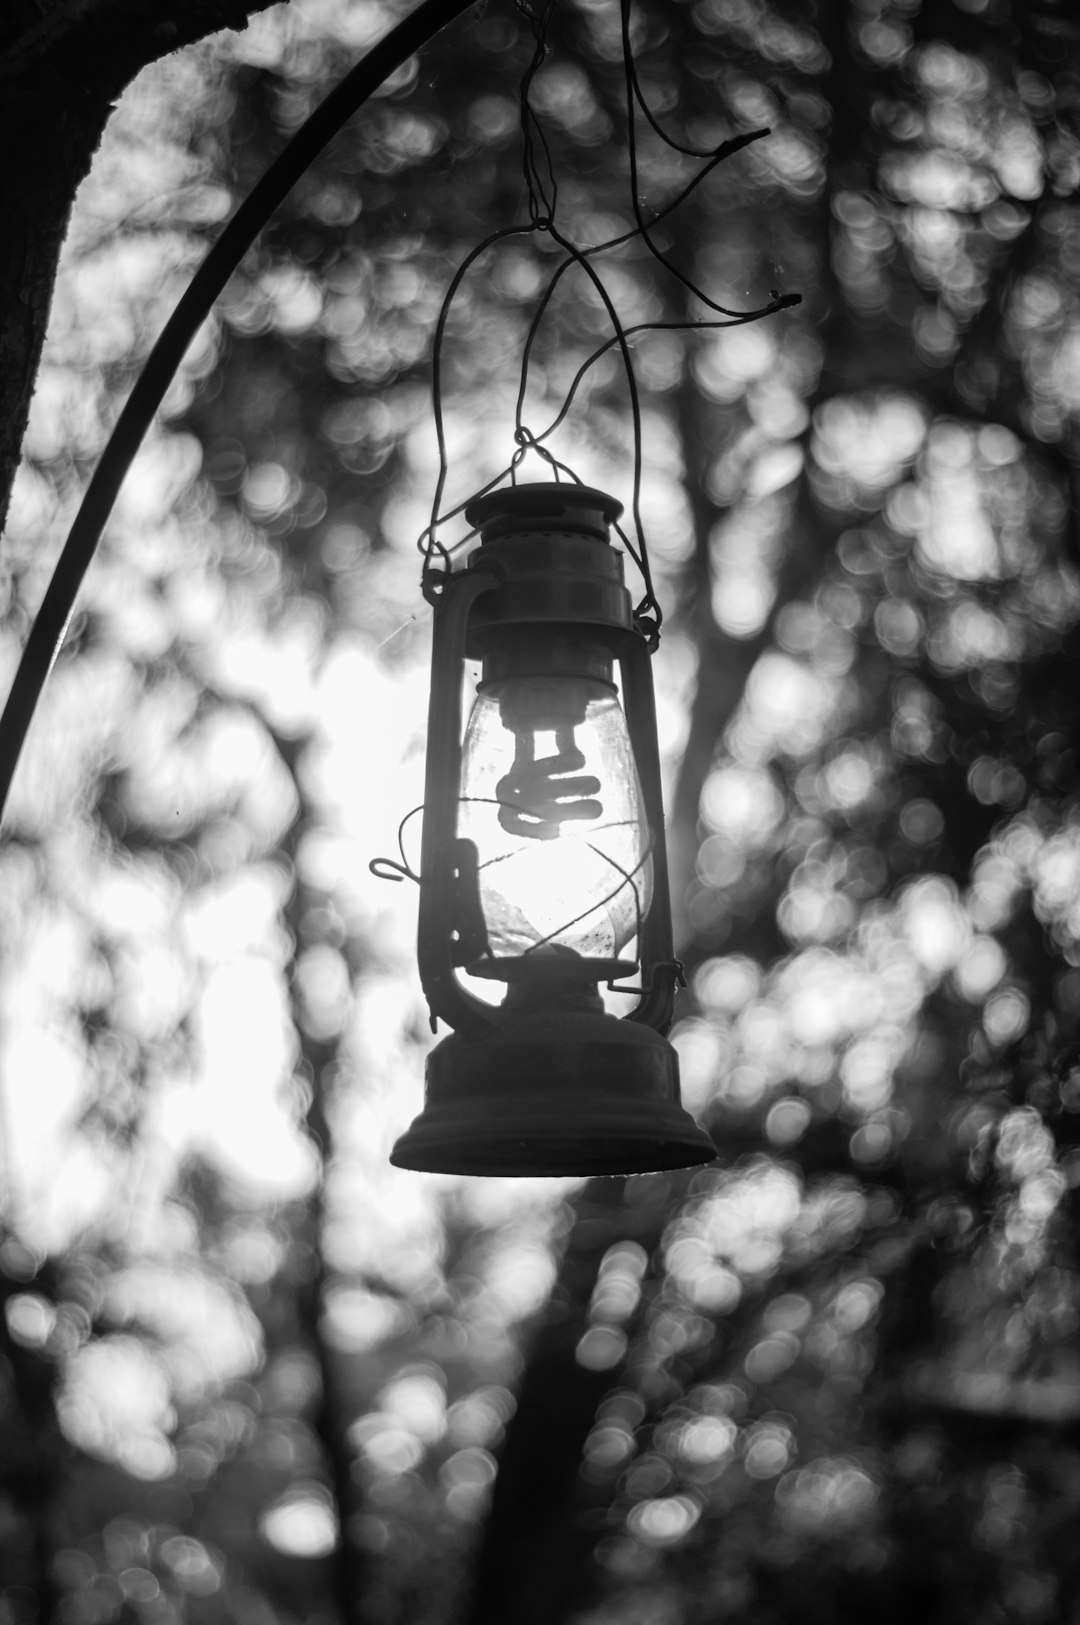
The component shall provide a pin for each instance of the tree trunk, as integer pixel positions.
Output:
(62, 66)
(532, 1563)
(46, 155)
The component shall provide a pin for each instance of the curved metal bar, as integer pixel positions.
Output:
(660, 970)
(47, 633)
(439, 860)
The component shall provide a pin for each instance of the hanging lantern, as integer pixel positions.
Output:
(543, 863)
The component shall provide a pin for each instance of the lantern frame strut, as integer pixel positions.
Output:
(547, 1082)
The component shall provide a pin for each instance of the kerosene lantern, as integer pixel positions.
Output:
(542, 862)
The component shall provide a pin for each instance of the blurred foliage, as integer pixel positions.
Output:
(248, 1372)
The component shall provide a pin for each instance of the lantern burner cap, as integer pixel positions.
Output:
(556, 568)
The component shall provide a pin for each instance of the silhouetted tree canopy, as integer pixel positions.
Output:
(250, 1373)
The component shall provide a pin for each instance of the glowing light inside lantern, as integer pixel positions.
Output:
(551, 798)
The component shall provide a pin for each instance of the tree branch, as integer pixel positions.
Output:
(113, 34)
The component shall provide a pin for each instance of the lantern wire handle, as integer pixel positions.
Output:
(541, 185)
(526, 439)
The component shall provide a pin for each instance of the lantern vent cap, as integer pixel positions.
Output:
(546, 506)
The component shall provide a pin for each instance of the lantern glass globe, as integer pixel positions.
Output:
(551, 798)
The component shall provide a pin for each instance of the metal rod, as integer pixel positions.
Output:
(659, 968)
(47, 633)
(445, 996)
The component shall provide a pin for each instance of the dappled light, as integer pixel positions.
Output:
(250, 1372)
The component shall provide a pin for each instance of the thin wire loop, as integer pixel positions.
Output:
(432, 576)
(397, 868)
(541, 187)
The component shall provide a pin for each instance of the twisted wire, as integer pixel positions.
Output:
(541, 187)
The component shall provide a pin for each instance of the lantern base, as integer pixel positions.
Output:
(553, 1090)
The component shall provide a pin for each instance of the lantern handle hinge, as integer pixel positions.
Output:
(648, 626)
